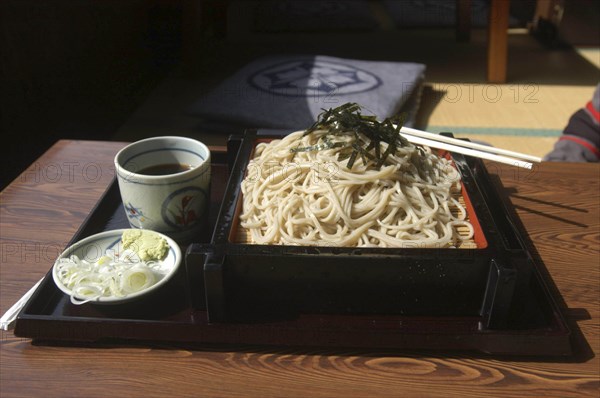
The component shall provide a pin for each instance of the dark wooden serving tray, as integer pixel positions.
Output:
(535, 325)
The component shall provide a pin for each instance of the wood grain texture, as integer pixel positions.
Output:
(498, 41)
(558, 204)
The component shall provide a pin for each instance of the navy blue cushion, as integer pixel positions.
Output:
(288, 92)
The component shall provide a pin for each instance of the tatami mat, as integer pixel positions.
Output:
(526, 118)
(592, 55)
(525, 106)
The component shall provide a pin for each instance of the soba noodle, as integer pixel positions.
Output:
(311, 198)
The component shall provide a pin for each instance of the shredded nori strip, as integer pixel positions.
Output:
(347, 119)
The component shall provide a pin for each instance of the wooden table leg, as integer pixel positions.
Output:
(498, 41)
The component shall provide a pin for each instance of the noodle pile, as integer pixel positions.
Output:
(310, 197)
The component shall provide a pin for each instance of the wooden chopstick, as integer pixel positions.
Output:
(467, 144)
(468, 151)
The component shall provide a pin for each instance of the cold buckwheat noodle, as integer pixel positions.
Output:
(312, 198)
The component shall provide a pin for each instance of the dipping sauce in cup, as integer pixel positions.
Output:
(165, 185)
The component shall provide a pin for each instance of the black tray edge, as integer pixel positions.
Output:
(35, 326)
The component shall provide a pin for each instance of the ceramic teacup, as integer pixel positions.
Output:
(165, 185)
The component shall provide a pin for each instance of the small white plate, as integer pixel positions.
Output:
(95, 246)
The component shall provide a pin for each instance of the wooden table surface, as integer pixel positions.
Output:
(558, 205)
